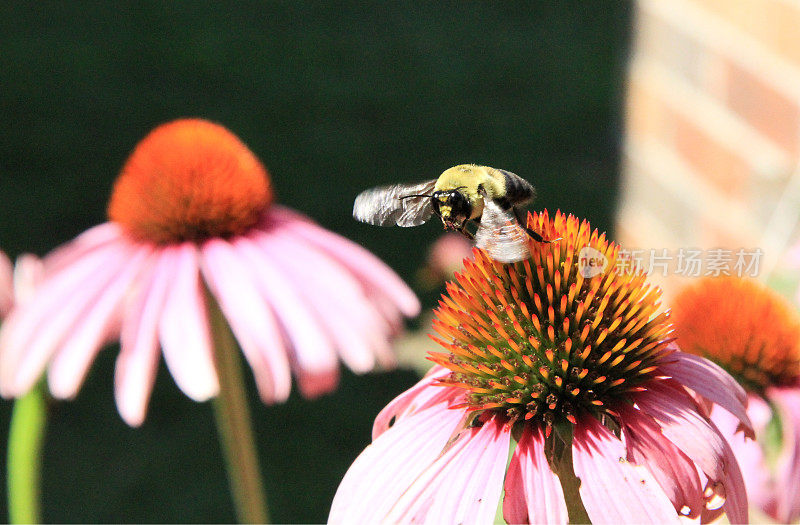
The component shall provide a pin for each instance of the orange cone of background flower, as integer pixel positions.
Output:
(536, 345)
(193, 209)
(754, 334)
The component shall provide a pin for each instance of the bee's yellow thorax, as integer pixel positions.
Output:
(470, 177)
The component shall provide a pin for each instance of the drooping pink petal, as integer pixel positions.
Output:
(384, 470)
(736, 503)
(614, 490)
(347, 312)
(675, 473)
(463, 485)
(533, 492)
(365, 264)
(88, 241)
(312, 350)
(31, 335)
(183, 329)
(355, 288)
(711, 382)
(419, 397)
(137, 362)
(6, 285)
(675, 412)
(250, 318)
(388, 312)
(354, 346)
(760, 486)
(787, 401)
(72, 360)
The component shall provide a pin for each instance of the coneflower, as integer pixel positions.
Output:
(193, 209)
(559, 351)
(195, 247)
(754, 333)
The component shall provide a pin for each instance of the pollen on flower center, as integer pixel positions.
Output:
(189, 179)
(537, 340)
(745, 327)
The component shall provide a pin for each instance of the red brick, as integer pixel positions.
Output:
(724, 169)
(763, 107)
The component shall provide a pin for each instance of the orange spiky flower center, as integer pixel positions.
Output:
(742, 325)
(189, 180)
(544, 339)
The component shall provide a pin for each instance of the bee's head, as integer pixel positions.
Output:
(452, 206)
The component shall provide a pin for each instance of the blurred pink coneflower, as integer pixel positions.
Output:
(445, 257)
(753, 333)
(544, 357)
(193, 209)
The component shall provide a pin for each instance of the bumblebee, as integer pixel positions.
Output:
(462, 194)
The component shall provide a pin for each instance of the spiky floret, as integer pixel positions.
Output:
(538, 341)
(742, 325)
(189, 180)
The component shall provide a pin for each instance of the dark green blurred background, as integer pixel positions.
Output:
(333, 99)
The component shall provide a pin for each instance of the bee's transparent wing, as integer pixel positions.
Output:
(500, 234)
(385, 205)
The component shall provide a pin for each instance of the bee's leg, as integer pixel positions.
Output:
(463, 230)
(534, 235)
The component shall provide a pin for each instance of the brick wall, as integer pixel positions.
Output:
(712, 139)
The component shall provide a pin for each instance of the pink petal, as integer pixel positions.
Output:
(354, 257)
(71, 361)
(312, 349)
(711, 382)
(419, 397)
(699, 439)
(28, 273)
(183, 328)
(6, 285)
(315, 384)
(788, 467)
(533, 491)
(360, 333)
(792, 256)
(137, 361)
(675, 473)
(761, 489)
(87, 242)
(32, 334)
(250, 318)
(383, 471)
(463, 485)
(614, 490)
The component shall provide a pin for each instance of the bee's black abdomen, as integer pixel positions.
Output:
(518, 190)
(504, 203)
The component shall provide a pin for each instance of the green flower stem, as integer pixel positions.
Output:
(25, 438)
(233, 423)
(558, 449)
